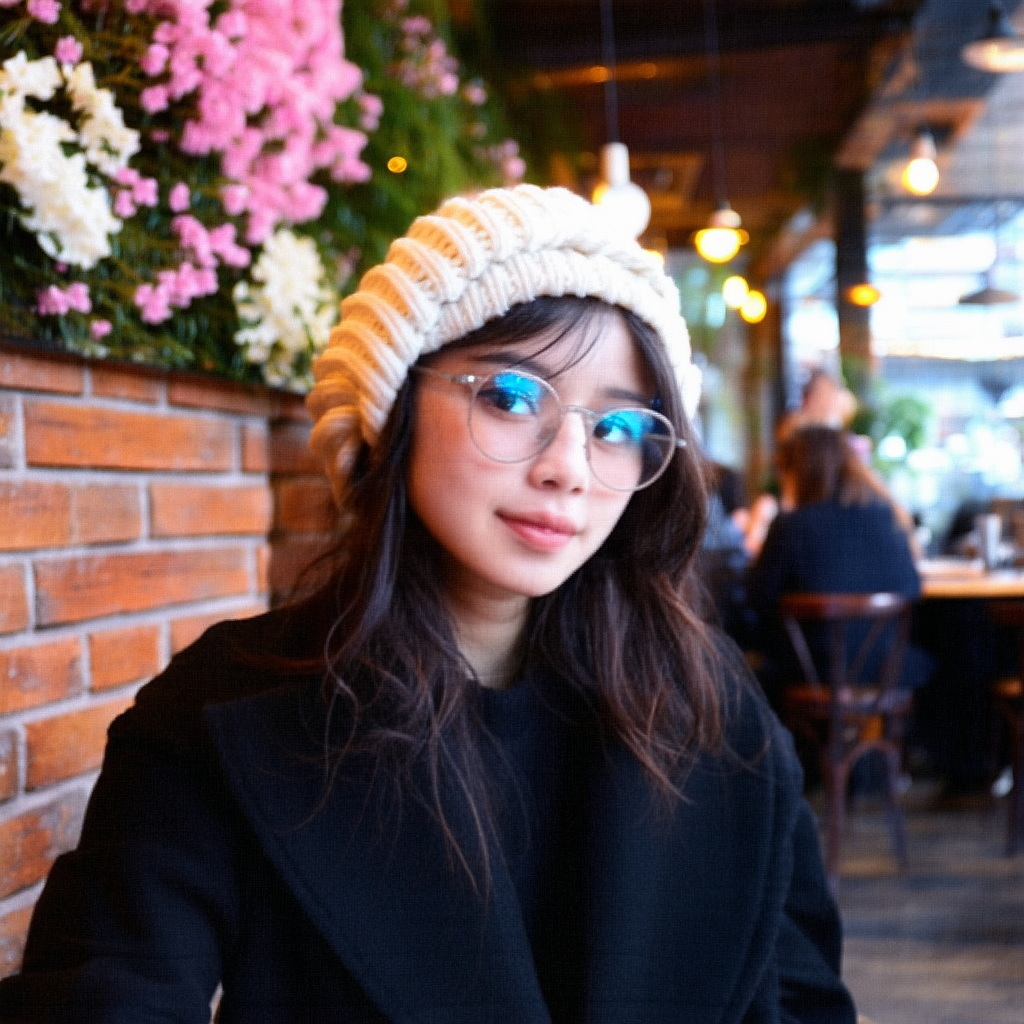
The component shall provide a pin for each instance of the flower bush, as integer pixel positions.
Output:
(195, 183)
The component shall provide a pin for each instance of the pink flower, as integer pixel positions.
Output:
(99, 329)
(418, 26)
(179, 198)
(154, 98)
(153, 303)
(145, 192)
(154, 60)
(51, 301)
(127, 176)
(233, 24)
(160, 135)
(124, 205)
(78, 297)
(68, 50)
(9, 3)
(233, 198)
(136, 6)
(46, 11)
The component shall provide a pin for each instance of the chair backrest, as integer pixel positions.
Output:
(886, 619)
(1011, 613)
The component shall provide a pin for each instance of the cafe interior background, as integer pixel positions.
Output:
(792, 121)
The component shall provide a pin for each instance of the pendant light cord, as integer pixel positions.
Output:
(611, 93)
(715, 72)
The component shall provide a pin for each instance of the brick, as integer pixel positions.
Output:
(105, 514)
(31, 842)
(67, 745)
(137, 385)
(288, 450)
(39, 373)
(8, 764)
(304, 505)
(34, 515)
(200, 393)
(185, 630)
(185, 510)
(59, 434)
(255, 448)
(8, 438)
(13, 929)
(40, 674)
(73, 589)
(293, 407)
(13, 602)
(120, 656)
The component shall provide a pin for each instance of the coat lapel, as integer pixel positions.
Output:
(374, 875)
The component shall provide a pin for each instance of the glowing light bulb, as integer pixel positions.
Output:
(397, 164)
(863, 294)
(625, 203)
(754, 307)
(921, 175)
(722, 238)
(734, 291)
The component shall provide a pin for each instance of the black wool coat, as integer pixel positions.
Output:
(217, 851)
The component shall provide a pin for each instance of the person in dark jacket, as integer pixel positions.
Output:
(839, 532)
(497, 769)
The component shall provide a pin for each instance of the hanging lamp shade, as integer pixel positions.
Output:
(989, 295)
(998, 49)
(624, 201)
(721, 239)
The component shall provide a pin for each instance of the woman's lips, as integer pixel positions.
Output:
(541, 532)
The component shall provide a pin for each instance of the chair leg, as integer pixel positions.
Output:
(1015, 813)
(835, 789)
(893, 810)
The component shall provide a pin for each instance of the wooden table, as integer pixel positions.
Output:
(957, 578)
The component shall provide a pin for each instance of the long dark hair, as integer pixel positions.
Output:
(621, 633)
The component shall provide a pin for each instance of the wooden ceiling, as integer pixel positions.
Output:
(802, 85)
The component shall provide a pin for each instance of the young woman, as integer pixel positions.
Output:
(496, 770)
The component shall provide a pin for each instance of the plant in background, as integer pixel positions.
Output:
(194, 183)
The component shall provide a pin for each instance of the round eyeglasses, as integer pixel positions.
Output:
(514, 416)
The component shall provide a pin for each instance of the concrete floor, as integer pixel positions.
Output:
(943, 943)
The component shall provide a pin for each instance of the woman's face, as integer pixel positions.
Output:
(521, 529)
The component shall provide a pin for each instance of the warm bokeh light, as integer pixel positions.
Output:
(657, 254)
(863, 294)
(920, 176)
(734, 291)
(717, 245)
(397, 164)
(754, 307)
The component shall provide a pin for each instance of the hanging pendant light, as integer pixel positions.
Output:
(988, 294)
(721, 239)
(998, 50)
(625, 203)
(921, 175)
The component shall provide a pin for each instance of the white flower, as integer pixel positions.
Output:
(36, 78)
(287, 309)
(71, 219)
(108, 143)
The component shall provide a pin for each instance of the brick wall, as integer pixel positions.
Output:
(136, 508)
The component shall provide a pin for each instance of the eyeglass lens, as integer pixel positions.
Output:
(514, 415)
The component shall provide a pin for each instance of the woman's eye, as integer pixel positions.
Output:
(623, 426)
(513, 393)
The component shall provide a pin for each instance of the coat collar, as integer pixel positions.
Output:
(380, 887)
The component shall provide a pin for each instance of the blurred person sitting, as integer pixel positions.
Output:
(826, 402)
(839, 531)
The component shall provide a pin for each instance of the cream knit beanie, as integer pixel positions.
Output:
(460, 267)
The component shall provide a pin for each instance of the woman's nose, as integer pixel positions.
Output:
(564, 461)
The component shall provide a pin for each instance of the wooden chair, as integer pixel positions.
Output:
(1008, 702)
(845, 715)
